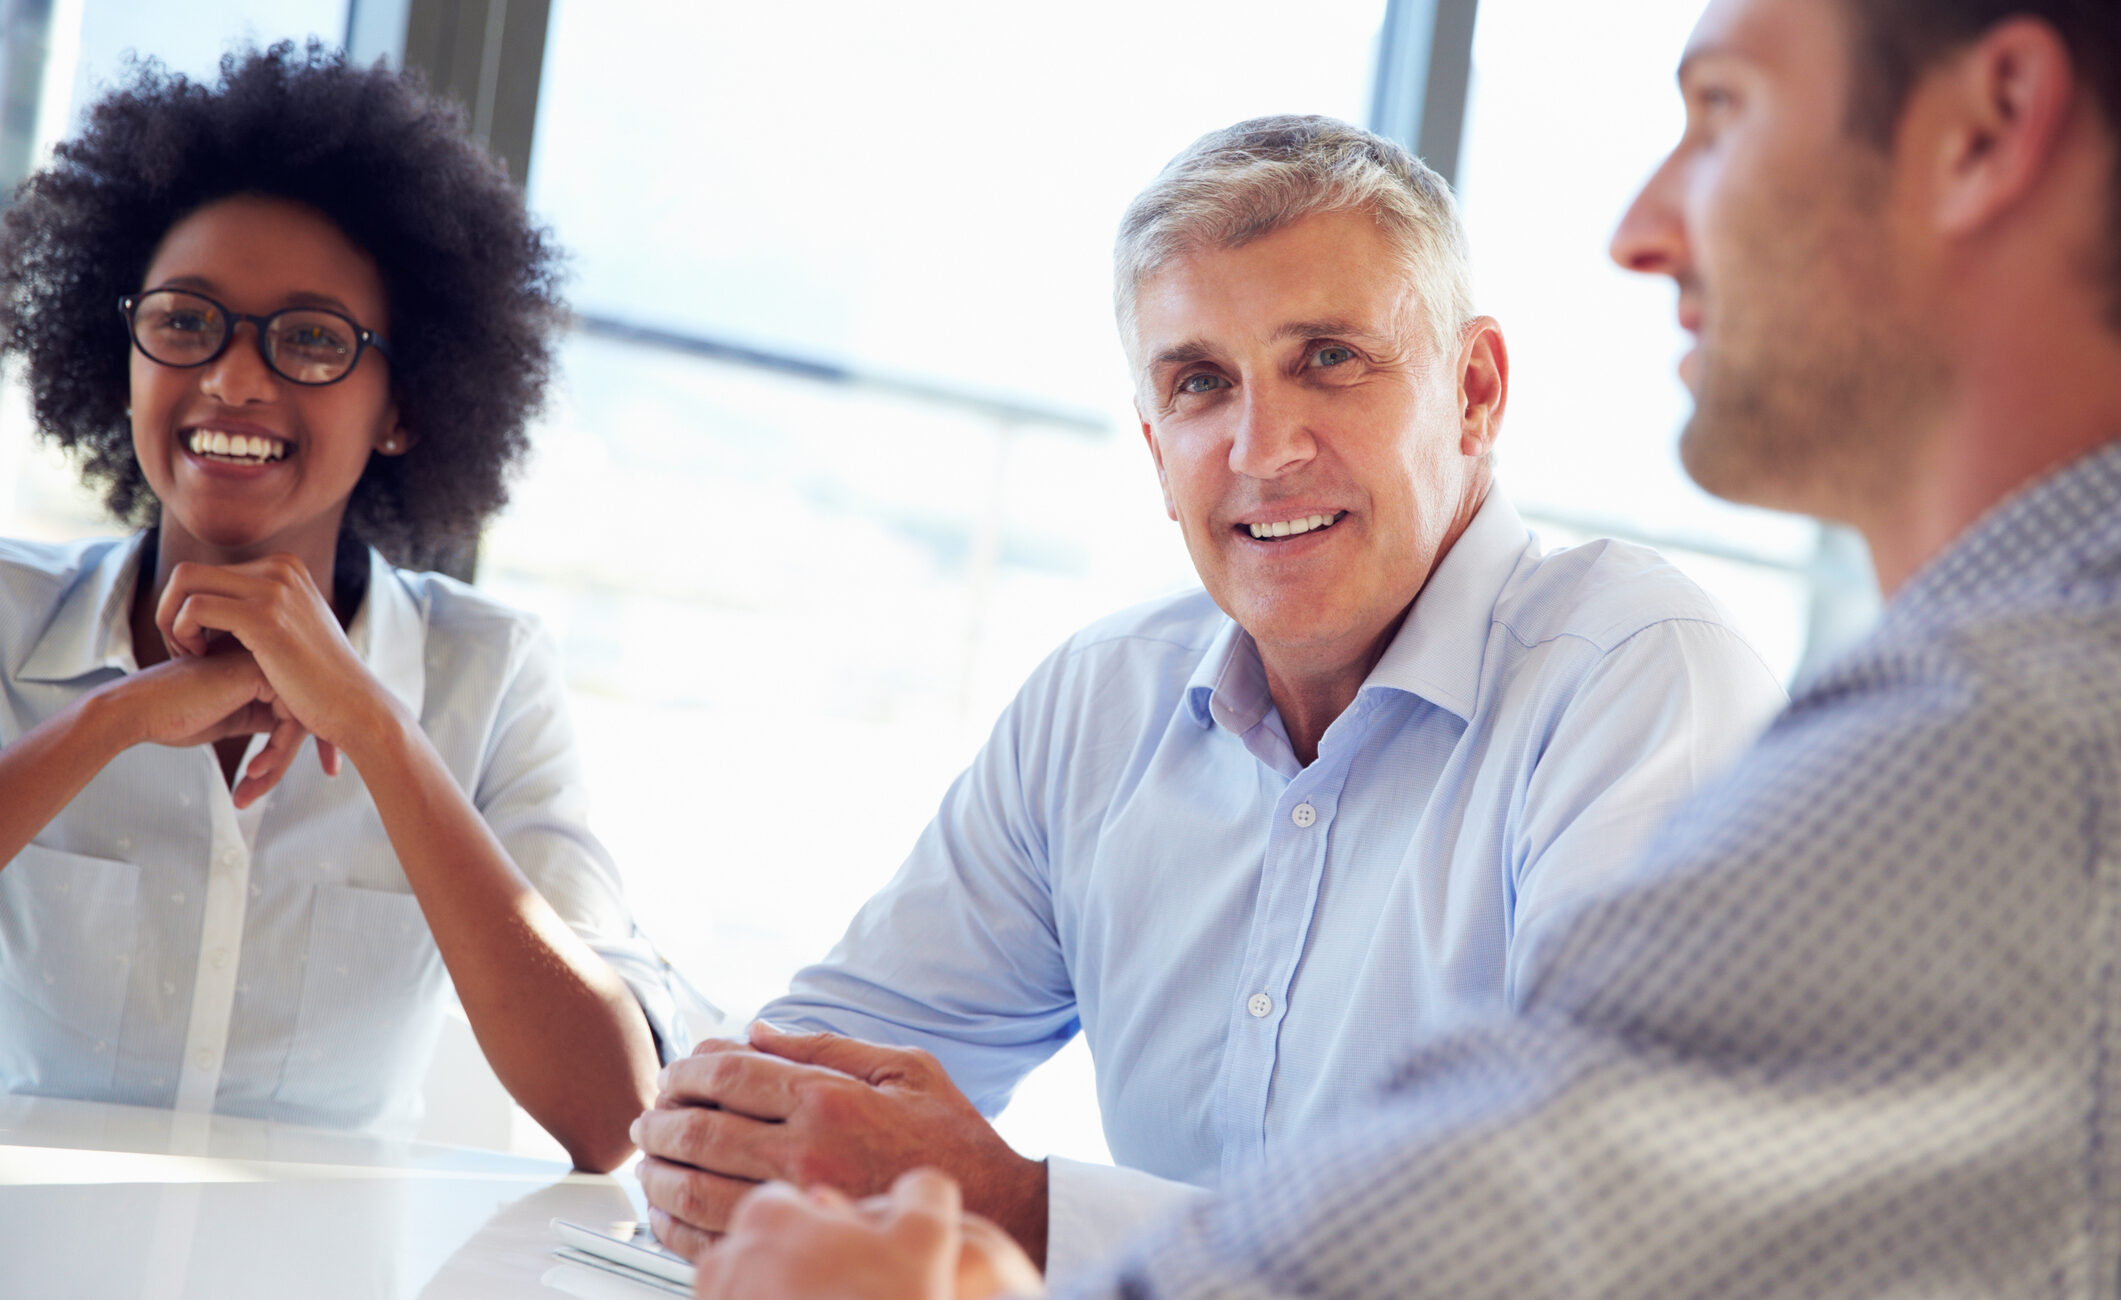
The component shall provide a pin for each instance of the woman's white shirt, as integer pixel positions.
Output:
(160, 948)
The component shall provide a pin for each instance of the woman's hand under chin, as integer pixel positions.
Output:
(273, 610)
(190, 701)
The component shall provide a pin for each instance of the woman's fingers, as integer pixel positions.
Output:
(193, 624)
(270, 763)
(187, 581)
(272, 608)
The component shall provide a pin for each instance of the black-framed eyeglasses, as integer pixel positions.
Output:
(311, 346)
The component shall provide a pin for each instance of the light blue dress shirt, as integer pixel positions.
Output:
(1849, 1028)
(160, 948)
(1250, 944)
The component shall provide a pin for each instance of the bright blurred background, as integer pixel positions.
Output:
(842, 445)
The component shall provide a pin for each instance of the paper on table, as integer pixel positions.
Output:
(642, 1258)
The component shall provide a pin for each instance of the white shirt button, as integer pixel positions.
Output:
(1303, 814)
(1260, 1005)
(203, 1059)
(220, 959)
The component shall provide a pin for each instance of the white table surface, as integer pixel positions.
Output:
(119, 1202)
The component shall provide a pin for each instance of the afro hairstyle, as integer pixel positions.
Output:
(472, 285)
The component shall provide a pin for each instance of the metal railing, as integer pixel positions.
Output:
(1004, 408)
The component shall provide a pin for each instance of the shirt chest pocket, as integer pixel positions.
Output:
(68, 927)
(370, 1008)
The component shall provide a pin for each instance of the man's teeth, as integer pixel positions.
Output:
(1291, 527)
(235, 446)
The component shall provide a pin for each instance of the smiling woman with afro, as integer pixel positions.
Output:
(471, 283)
(265, 796)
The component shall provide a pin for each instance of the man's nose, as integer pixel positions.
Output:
(1652, 235)
(239, 375)
(1272, 436)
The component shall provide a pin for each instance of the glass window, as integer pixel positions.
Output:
(1572, 107)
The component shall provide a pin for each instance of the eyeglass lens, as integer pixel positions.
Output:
(183, 329)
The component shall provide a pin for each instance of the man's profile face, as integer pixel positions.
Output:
(1776, 225)
(1291, 386)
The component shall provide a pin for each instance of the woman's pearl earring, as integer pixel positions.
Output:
(390, 445)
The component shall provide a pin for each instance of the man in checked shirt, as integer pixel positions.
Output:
(1851, 1025)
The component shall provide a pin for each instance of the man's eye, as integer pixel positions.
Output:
(1201, 383)
(1332, 354)
(1708, 107)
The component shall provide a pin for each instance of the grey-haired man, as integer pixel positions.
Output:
(1255, 840)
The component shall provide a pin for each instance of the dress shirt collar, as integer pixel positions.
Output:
(1436, 654)
(1439, 650)
(1230, 685)
(92, 629)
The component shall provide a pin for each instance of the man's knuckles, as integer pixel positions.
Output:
(681, 1237)
(922, 1066)
(717, 1046)
(833, 1103)
(724, 1074)
(692, 1135)
(693, 1196)
(714, 1077)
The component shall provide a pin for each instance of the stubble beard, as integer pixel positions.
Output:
(1814, 382)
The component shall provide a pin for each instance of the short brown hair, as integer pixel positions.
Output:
(1896, 41)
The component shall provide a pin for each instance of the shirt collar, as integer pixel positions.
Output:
(1441, 646)
(1436, 654)
(93, 628)
(390, 634)
(1230, 685)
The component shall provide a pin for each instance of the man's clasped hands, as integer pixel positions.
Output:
(756, 1152)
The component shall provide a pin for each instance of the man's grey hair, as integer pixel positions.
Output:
(1247, 181)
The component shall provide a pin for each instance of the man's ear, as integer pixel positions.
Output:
(1483, 385)
(2002, 105)
(1156, 454)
